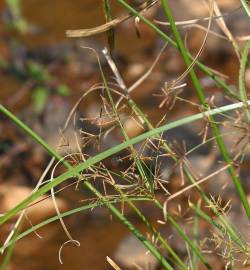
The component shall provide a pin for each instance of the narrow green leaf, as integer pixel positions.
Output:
(93, 160)
(245, 4)
(108, 16)
(242, 87)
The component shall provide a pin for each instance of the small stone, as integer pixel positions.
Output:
(11, 195)
(131, 252)
(133, 127)
(134, 71)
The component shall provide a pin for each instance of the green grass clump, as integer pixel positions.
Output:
(140, 182)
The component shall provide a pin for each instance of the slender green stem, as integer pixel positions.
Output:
(108, 15)
(158, 236)
(245, 4)
(138, 163)
(242, 87)
(199, 90)
(166, 38)
(226, 230)
(195, 261)
(124, 221)
(184, 236)
(232, 233)
(223, 150)
(29, 131)
(76, 210)
(139, 112)
(134, 107)
(183, 52)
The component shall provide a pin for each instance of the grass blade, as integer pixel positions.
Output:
(199, 90)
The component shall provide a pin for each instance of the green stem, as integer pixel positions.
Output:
(184, 236)
(225, 230)
(231, 232)
(166, 38)
(245, 4)
(158, 236)
(144, 177)
(242, 87)
(194, 260)
(90, 206)
(139, 163)
(123, 220)
(199, 90)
